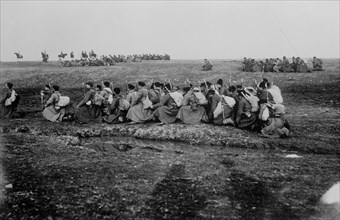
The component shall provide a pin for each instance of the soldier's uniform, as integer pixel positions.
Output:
(317, 64)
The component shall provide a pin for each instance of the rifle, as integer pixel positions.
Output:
(170, 83)
(255, 83)
(167, 89)
(152, 83)
(164, 82)
(83, 88)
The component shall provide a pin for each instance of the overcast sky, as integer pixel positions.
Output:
(183, 29)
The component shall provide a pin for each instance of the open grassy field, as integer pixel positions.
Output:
(99, 171)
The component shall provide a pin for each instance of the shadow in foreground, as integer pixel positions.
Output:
(176, 197)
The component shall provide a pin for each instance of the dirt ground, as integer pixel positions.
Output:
(99, 171)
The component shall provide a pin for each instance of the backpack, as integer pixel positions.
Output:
(91, 99)
(266, 111)
(202, 100)
(194, 103)
(98, 99)
(177, 97)
(153, 97)
(265, 114)
(11, 99)
(276, 93)
(220, 106)
(218, 110)
(229, 100)
(146, 103)
(110, 99)
(63, 101)
(124, 104)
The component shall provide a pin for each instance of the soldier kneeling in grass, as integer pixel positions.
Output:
(207, 65)
(317, 64)
(9, 101)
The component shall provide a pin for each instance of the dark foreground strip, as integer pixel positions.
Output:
(29, 197)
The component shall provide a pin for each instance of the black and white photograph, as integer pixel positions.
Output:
(170, 109)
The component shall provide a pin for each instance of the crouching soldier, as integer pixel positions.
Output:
(317, 64)
(207, 65)
(118, 108)
(276, 126)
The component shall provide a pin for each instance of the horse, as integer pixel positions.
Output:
(62, 55)
(92, 54)
(19, 56)
(84, 54)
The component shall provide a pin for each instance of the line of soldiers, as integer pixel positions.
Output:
(277, 65)
(85, 62)
(92, 60)
(122, 58)
(154, 56)
(258, 109)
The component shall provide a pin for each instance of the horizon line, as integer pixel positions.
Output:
(3, 61)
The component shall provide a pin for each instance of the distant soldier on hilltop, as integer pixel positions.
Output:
(302, 66)
(44, 56)
(317, 64)
(207, 65)
(286, 66)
